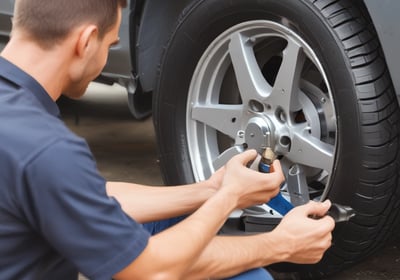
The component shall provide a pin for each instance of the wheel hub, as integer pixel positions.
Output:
(258, 133)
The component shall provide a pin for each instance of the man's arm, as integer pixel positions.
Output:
(150, 203)
(172, 252)
(147, 204)
(298, 239)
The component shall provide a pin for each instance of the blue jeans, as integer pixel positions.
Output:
(254, 274)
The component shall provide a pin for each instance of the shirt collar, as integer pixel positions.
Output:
(20, 78)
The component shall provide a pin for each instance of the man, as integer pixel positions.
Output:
(58, 215)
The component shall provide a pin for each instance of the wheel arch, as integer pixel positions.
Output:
(384, 15)
(156, 22)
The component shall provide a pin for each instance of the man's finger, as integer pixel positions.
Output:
(246, 156)
(317, 208)
(276, 166)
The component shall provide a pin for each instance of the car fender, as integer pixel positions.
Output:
(385, 17)
(158, 17)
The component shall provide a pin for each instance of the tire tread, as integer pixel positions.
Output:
(380, 125)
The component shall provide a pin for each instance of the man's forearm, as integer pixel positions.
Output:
(297, 239)
(229, 255)
(146, 204)
(170, 253)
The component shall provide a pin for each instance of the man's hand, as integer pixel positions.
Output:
(305, 238)
(249, 186)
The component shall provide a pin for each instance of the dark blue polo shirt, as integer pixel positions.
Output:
(55, 216)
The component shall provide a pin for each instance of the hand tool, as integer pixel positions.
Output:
(277, 203)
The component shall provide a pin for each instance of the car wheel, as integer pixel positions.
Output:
(306, 78)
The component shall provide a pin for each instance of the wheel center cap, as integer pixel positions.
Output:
(258, 134)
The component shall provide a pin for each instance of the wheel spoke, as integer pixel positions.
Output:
(310, 151)
(252, 84)
(223, 158)
(286, 88)
(223, 118)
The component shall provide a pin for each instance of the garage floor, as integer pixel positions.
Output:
(126, 150)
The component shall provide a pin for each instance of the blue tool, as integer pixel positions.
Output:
(277, 203)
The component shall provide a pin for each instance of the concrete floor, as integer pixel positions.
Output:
(125, 150)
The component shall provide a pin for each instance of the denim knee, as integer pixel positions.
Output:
(156, 227)
(254, 274)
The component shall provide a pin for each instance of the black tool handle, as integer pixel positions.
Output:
(341, 213)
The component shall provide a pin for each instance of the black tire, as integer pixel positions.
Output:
(365, 137)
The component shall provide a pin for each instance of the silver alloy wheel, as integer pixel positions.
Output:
(259, 84)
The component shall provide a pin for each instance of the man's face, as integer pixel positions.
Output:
(95, 63)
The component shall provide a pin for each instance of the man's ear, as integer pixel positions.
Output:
(86, 40)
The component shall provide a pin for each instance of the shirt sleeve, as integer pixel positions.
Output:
(66, 202)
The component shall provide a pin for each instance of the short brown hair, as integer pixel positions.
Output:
(50, 21)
